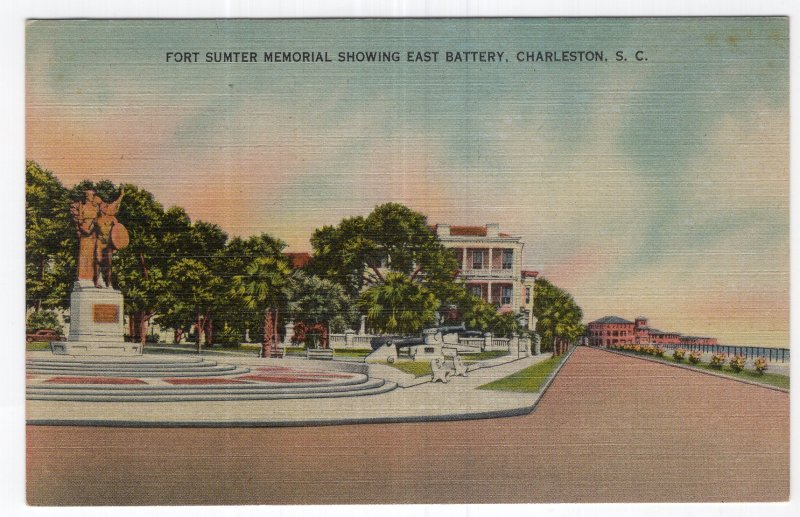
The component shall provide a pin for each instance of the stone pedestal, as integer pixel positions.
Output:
(96, 325)
(288, 335)
(513, 345)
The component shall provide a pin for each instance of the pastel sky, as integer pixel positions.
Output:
(657, 187)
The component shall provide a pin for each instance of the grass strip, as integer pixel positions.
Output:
(37, 345)
(770, 379)
(351, 352)
(418, 369)
(482, 356)
(528, 380)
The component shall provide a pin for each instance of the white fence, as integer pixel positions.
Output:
(350, 340)
(488, 343)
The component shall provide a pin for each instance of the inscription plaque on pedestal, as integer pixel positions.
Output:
(105, 313)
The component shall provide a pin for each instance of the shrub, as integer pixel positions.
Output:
(717, 360)
(760, 365)
(678, 354)
(43, 320)
(659, 352)
(227, 336)
(737, 363)
(694, 356)
(636, 348)
(337, 325)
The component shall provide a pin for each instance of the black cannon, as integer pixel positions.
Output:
(406, 341)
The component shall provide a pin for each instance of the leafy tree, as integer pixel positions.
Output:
(398, 305)
(140, 269)
(192, 285)
(208, 246)
(264, 287)
(558, 316)
(175, 315)
(505, 324)
(478, 314)
(51, 242)
(43, 319)
(315, 300)
(234, 259)
(360, 251)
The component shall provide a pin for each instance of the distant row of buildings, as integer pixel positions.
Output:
(613, 330)
(491, 267)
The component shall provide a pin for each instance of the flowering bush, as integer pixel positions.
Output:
(659, 352)
(694, 356)
(717, 360)
(678, 354)
(636, 348)
(649, 349)
(737, 363)
(760, 365)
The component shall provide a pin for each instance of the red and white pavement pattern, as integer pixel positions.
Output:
(272, 376)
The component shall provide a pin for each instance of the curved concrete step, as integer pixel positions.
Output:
(217, 370)
(350, 383)
(123, 367)
(193, 368)
(219, 393)
(133, 361)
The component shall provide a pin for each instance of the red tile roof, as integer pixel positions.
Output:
(468, 231)
(298, 259)
(527, 273)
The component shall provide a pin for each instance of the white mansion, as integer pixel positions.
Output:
(491, 266)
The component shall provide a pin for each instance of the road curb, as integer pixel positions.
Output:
(551, 378)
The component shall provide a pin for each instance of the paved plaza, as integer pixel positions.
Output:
(169, 391)
(610, 428)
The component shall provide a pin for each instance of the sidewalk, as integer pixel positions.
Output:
(458, 399)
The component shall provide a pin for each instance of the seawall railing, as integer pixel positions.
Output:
(776, 355)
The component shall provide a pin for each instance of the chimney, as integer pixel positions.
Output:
(443, 230)
(492, 230)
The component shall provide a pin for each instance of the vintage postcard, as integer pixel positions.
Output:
(366, 261)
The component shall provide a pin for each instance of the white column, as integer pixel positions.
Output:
(490, 259)
(514, 297)
(489, 292)
(464, 259)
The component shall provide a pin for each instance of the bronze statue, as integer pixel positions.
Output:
(99, 234)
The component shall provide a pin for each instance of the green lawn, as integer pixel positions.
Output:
(771, 379)
(37, 345)
(529, 380)
(355, 352)
(418, 369)
(482, 356)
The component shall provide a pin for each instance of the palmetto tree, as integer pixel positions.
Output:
(264, 287)
(399, 305)
(558, 316)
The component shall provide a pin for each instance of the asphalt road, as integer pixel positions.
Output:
(609, 429)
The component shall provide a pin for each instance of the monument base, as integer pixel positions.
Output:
(96, 325)
(95, 348)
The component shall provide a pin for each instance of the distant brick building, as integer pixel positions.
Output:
(613, 330)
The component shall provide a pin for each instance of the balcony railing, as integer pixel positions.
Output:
(488, 273)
